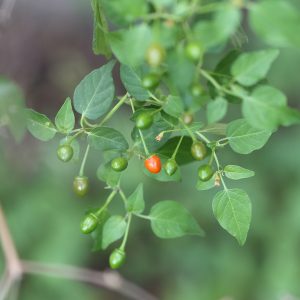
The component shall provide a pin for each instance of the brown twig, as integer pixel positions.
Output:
(15, 268)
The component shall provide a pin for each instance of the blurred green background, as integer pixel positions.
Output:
(45, 48)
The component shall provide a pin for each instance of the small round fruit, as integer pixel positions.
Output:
(153, 164)
(193, 51)
(170, 167)
(196, 90)
(198, 150)
(119, 164)
(65, 153)
(150, 81)
(117, 258)
(144, 120)
(187, 118)
(81, 185)
(205, 172)
(89, 224)
(155, 55)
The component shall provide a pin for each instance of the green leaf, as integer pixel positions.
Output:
(173, 106)
(237, 172)
(105, 138)
(181, 70)
(136, 203)
(205, 185)
(232, 209)
(65, 119)
(113, 229)
(40, 126)
(124, 12)
(130, 46)
(277, 22)
(243, 138)
(214, 32)
(133, 83)
(184, 155)
(100, 39)
(216, 110)
(94, 94)
(12, 108)
(249, 68)
(107, 174)
(169, 219)
(263, 108)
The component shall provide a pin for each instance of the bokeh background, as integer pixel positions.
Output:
(46, 49)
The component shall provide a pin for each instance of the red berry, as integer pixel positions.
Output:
(153, 164)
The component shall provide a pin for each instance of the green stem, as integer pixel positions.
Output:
(190, 132)
(122, 247)
(107, 202)
(177, 147)
(113, 110)
(123, 197)
(142, 216)
(140, 133)
(81, 171)
(211, 79)
(70, 140)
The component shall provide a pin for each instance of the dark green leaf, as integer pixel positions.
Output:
(169, 219)
(173, 106)
(130, 46)
(94, 94)
(216, 110)
(237, 172)
(100, 39)
(113, 229)
(243, 138)
(249, 68)
(277, 22)
(263, 108)
(133, 83)
(106, 138)
(65, 119)
(135, 202)
(40, 126)
(232, 209)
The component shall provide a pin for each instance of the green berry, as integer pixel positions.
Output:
(155, 55)
(198, 150)
(117, 258)
(170, 167)
(150, 81)
(205, 172)
(197, 90)
(187, 118)
(65, 153)
(193, 51)
(119, 164)
(81, 185)
(144, 120)
(89, 224)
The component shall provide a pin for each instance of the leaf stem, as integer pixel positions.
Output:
(190, 132)
(114, 109)
(123, 197)
(177, 147)
(81, 171)
(142, 216)
(122, 247)
(107, 202)
(140, 133)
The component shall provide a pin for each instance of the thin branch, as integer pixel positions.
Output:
(109, 279)
(5, 286)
